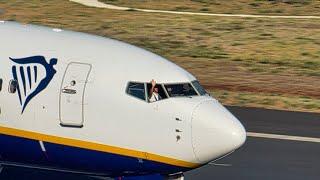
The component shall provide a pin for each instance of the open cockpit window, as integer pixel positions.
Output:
(137, 90)
(199, 88)
(158, 93)
(180, 90)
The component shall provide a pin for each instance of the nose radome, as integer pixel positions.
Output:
(215, 131)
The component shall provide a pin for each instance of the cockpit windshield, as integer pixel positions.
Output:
(180, 90)
(199, 88)
(152, 92)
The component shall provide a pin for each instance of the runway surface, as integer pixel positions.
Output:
(264, 159)
(278, 122)
(259, 158)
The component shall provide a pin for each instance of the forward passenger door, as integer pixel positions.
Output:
(72, 94)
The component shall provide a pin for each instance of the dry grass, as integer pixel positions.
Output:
(274, 7)
(254, 56)
(269, 101)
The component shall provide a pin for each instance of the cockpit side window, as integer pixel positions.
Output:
(180, 90)
(160, 91)
(1, 81)
(199, 88)
(13, 86)
(137, 90)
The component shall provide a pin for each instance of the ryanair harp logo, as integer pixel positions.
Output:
(30, 83)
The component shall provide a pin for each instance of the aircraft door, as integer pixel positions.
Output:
(72, 94)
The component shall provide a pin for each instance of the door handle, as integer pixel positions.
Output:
(69, 91)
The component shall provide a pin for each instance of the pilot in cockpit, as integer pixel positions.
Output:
(154, 92)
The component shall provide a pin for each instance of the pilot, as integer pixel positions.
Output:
(154, 92)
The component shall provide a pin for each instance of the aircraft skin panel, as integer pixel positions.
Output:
(94, 146)
(78, 159)
(148, 177)
(103, 129)
(18, 149)
(113, 56)
(114, 64)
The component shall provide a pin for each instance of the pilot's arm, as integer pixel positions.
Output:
(153, 85)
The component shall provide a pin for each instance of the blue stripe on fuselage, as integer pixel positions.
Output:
(29, 152)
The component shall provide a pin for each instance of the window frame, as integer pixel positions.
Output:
(145, 90)
(197, 89)
(165, 90)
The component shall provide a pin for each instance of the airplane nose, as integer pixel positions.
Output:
(215, 131)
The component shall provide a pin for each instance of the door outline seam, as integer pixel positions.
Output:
(83, 95)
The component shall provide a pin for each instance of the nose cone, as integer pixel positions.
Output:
(215, 131)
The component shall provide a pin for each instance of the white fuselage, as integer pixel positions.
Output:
(85, 105)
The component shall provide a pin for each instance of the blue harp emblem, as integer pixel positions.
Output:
(26, 71)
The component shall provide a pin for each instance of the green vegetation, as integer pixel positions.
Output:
(272, 63)
(274, 7)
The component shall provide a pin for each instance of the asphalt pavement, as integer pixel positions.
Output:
(278, 122)
(265, 159)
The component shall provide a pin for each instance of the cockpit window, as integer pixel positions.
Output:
(13, 86)
(1, 84)
(156, 92)
(137, 90)
(199, 88)
(180, 90)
